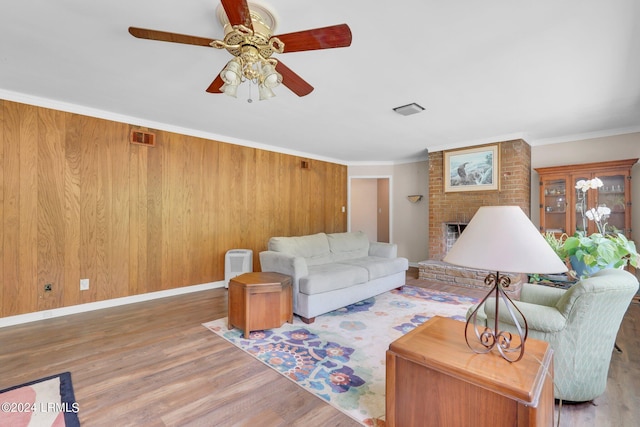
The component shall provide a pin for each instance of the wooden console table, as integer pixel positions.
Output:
(434, 379)
(260, 300)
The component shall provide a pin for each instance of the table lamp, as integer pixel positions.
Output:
(502, 239)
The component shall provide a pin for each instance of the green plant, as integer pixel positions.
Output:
(557, 244)
(596, 250)
(612, 250)
(606, 249)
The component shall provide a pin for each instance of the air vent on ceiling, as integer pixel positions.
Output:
(409, 109)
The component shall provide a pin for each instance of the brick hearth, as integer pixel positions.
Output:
(448, 274)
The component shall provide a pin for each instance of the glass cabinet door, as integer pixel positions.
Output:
(610, 202)
(613, 196)
(554, 200)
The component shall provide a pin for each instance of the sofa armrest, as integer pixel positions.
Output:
(540, 294)
(383, 250)
(283, 263)
(539, 317)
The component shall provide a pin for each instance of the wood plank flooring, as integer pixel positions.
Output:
(153, 364)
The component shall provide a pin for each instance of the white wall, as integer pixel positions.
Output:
(604, 149)
(364, 207)
(409, 221)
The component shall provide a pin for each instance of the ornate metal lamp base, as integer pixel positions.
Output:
(486, 339)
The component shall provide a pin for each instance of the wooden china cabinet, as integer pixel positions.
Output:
(560, 207)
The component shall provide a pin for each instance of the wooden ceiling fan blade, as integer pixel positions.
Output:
(293, 81)
(318, 38)
(164, 36)
(238, 12)
(215, 85)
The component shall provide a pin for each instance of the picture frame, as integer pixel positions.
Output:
(472, 169)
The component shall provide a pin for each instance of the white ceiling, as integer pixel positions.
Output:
(485, 71)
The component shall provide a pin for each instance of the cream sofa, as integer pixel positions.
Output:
(331, 271)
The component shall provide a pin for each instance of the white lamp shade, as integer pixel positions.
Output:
(503, 239)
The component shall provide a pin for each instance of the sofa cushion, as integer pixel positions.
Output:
(348, 245)
(332, 276)
(378, 266)
(313, 248)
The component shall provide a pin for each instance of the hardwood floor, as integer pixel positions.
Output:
(153, 364)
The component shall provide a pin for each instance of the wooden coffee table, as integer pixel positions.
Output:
(260, 300)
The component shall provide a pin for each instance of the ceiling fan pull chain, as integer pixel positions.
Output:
(250, 86)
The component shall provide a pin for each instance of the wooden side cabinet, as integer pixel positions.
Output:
(560, 211)
(260, 300)
(434, 379)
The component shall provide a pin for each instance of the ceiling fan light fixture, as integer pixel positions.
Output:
(248, 30)
(253, 68)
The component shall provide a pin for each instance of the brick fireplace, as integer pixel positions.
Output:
(452, 231)
(449, 212)
(459, 207)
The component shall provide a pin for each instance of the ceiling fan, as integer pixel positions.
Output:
(248, 37)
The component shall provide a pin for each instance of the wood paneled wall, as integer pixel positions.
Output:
(77, 200)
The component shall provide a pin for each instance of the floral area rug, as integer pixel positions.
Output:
(341, 356)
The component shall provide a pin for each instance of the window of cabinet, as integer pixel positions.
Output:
(562, 205)
(613, 195)
(554, 204)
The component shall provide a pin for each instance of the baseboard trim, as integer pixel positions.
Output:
(99, 305)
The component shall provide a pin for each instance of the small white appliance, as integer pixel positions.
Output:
(237, 262)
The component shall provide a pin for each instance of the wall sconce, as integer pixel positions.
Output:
(415, 198)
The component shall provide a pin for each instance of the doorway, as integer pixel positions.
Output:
(370, 207)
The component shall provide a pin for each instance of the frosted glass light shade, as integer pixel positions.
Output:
(271, 77)
(231, 90)
(231, 74)
(265, 92)
(503, 239)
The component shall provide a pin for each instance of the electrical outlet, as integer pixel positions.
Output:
(84, 284)
(48, 287)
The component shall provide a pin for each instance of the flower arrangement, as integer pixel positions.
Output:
(600, 214)
(598, 250)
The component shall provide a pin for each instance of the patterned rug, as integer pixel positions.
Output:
(341, 356)
(45, 402)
